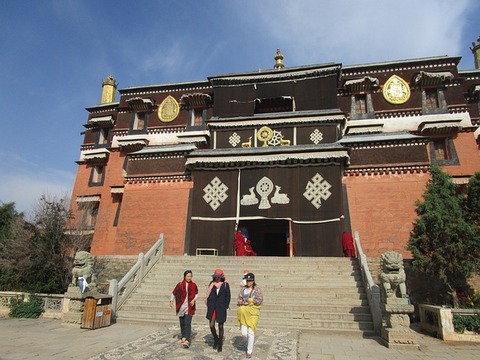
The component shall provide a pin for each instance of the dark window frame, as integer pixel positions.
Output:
(441, 103)
(119, 206)
(92, 182)
(134, 125)
(366, 98)
(274, 105)
(452, 157)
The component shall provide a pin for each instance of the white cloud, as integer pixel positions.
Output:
(25, 190)
(355, 32)
(23, 183)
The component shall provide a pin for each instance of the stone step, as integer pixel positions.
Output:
(162, 312)
(209, 264)
(327, 293)
(300, 323)
(260, 278)
(271, 294)
(164, 305)
(252, 259)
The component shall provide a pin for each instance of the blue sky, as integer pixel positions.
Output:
(55, 53)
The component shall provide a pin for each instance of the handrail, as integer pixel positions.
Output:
(373, 290)
(121, 290)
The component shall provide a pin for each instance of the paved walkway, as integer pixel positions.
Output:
(50, 339)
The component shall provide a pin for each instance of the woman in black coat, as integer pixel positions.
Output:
(217, 301)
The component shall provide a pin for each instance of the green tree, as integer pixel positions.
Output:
(472, 200)
(445, 245)
(15, 253)
(53, 261)
(36, 256)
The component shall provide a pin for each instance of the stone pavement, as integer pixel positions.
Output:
(50, 339)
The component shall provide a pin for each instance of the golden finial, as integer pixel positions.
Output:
(109, 86)
(278, 60)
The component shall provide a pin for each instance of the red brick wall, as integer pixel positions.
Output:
(382, 209)
(468, 154)
(148, 209)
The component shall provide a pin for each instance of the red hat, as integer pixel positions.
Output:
(218, 273)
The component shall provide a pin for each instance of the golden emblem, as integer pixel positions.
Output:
(396, 90)
(168, 109)
(265, 134)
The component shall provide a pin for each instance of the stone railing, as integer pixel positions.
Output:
(438, 322)
(52, 303)
(372, 289)
(121, 290)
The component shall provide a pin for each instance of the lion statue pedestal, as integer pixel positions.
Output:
(396, 332)
(82, 286)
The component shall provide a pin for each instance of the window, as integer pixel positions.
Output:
(97, 175)
(89, 214)
(360, 104)
(271, 105)
(442, 152)
(103, 136)
(118, 198)
(139, 121)
(197, 117)
(431, 99)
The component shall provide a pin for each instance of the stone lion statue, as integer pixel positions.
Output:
(392, 275)
(83, 268)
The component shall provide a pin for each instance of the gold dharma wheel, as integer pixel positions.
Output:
(265, 134)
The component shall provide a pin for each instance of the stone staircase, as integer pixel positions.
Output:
(299, 292)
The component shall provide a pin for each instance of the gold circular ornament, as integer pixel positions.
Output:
(396, 90)
(265, 134)
(168, 109)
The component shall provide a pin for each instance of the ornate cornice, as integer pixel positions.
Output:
(165, 88)
(157, 179)
(427, 64)
(275, 75)
(387, 170)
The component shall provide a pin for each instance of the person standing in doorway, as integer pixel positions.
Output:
(249, 302)
(185, 296)
(217, 300)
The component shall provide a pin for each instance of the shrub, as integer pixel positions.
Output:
(31, 309)
(466, 322)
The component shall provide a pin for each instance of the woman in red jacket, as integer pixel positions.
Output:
(185, 295)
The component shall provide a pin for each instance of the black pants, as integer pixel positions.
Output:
(186, 326)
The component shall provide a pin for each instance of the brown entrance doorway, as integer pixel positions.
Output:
(268, 237)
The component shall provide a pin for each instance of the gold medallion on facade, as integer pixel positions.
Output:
(396, 90)
(168, 109)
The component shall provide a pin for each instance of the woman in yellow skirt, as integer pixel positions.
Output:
(249, 302)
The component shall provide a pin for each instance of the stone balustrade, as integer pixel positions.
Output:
(438, 322)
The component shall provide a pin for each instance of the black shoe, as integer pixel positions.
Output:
(220, 345)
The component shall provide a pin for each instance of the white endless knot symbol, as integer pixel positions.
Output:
(316, 136)
(215, 193)
(317, 189)
(234, 139)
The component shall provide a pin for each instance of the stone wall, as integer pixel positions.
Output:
(112, 267)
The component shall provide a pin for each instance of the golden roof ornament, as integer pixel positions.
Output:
(476, 53)
(109, 86)
(278, 60)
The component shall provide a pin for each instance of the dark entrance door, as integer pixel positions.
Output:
(268, 237)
